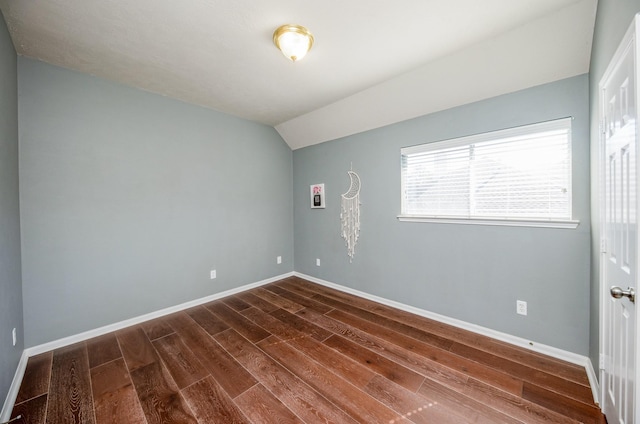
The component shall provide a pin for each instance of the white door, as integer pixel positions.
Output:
(619, 206)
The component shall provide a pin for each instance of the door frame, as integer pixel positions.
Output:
(631, 36)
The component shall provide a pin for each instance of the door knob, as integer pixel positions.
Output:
(617, 292)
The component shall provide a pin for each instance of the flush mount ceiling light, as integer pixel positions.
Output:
(294, 41)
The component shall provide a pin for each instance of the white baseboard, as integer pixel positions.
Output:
(518, 341)
(10, 400)
(554, 352)
(66, 341)
(593, 382)
(56, 344)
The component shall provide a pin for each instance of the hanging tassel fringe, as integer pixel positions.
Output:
(350, 215)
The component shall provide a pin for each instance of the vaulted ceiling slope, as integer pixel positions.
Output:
(374, 62)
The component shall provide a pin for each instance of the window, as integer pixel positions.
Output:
(518, 176)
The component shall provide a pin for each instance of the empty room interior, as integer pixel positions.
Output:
(420, 217)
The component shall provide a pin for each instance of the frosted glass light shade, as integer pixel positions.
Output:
(294, 41)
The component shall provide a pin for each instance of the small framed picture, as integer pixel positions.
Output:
(317, 196)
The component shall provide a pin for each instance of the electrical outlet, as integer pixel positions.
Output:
(213, 274)
(279, 260)
(14, 335)
(317, 262)
(521, 307)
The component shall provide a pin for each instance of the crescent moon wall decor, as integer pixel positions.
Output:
(350, 214)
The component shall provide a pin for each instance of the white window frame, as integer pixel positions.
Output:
(479, 138)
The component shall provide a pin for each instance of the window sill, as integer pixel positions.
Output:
(543, 223)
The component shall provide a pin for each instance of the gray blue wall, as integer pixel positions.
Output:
(10, 277)
(129, 199)
(612, 21)
(472, 273)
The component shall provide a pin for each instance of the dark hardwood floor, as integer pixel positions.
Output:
(297, 352)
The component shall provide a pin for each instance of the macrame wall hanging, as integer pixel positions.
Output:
(350, 214)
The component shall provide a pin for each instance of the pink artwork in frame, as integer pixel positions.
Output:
(317, 196)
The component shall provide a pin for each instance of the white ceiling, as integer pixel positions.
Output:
(374, 62)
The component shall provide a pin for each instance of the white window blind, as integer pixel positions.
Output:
(519, 173)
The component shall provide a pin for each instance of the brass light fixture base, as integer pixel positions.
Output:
(290, 38)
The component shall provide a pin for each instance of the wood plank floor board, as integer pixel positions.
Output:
(114, 397)
(295, 285)
(454, 376)
(342, 365)
(297, 395)
(109, 377)
(260, 406)
(238, 322)
(228, 372)
(211, 404)
(32, 411)
(466, 407)
(297, 352)
(409, 406)
(235, 303)
(257, 302)
(182, 363)
(568, 371)
(298, 299)
(120, 406)
(427, 359)
(388, 331)
(573, 408)
(103, 349)
(301, 324)
(527, 374)
(136, 348)
(322, 320)
(349, 398)
(156, 328)
(273, 325)
(416, 333)
(514, 406)
(211, 324)
(159, 396)
(544, 363)
(279, 301)
(36, 377)
(392, 371)
(70, 401)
